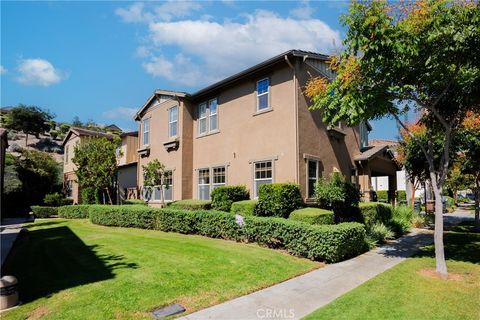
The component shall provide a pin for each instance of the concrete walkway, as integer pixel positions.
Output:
(9, 230)
(298, 297)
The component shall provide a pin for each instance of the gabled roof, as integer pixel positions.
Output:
(375, 151)
(85, 132)
(157, 93)
(131, 133)
(112, 127)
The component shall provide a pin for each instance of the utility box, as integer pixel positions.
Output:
(8, 292)
(430, 206)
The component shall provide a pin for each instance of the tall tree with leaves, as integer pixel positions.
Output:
(29, 119)
(96, 164)
(422, 55)
(155, 175)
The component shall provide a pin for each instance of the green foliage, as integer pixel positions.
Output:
(449, 202)
(379, 232)
(134, 202)
(54, 134)
(64, 128)
(191, 204)
(373, 212)
(278, 199)
(29, 119)
(313, 216)
(338, 195)
(244, 208)
(403, 212)
(44, 211)
(74, 212)
(154, 174)
(223, 197)
(96, 164)
(89, 195)
(55, 199)
(401, 195)
(328, 242)
(382, 196)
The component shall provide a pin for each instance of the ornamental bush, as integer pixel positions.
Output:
(327, 242)
(372, 212)
(74, 211)
(401, 195)
(382, 196)
(223, 197)
(313, 216)
(54, 199)
(278, 199)
(244, 208)
(44, 211)
(191, 204)
(89, 195)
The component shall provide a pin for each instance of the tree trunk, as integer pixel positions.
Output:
(441, 265)
(412, 196)
(109, 196)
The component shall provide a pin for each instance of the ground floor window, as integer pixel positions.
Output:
(263, 174)
(69, 188)
(155, 193)
(209, 179)
(313, 176)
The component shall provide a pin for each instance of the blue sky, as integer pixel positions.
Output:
(102, 60)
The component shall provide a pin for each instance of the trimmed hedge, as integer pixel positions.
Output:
(401, 195)
(74, 212)
(44, 211)
(382, 195)
(331, 243)
(223, 197)
(244, 208)
(191, 204)
(313, 216)
(278, 199)
(372, 212)
(134, 202)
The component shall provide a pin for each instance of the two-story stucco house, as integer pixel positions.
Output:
(126, 156)
(249, 129)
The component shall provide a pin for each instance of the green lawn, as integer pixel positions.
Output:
(405, 292)
(71, 269)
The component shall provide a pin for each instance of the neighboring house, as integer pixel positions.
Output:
(127, 161)
(3, 148)
(250, 129)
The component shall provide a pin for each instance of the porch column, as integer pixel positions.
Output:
(392, 187)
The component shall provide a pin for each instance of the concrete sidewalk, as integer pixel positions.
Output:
(298, 297)
(9, 230)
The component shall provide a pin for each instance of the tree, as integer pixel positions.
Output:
(29, 119)
(96, 164)
(423, 56)
(76, 122)
(155, 174)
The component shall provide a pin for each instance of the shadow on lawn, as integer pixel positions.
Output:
(46, 261)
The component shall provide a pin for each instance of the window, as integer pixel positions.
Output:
(69, 188)
(202, 118)
(263, 174)
(363, 135)
(218, 176)
(207, 116)
(204, 184)
(146, 131)
(262, 94)
(167, 188)
(66, 153)
(312, 177)
(172, 121)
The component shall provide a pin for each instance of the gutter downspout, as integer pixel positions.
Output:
(295, 105)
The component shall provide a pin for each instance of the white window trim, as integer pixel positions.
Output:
(272, 160)
(152, 200)
(262, 94)
(202, 118)
(308, 174)
(207, 117)
(211, 178)
(148, 132)
(211, 184)
(170, 123)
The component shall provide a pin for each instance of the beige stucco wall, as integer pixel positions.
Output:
(70, 144)
(315, 141)
(128, 148)
(244, 136)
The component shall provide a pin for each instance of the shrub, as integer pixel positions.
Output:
(244, 208)
(134, 202)
(379, 232)
(313, 216)
(372, 212)
(418, 221)
(403, 212)
(337, 195)
(54, 199)
(89, 195)
(223, 197)
(449, 202)
(328, 242)
(382, 196)
(73, 212)
(54, 134)
(400, 225)
(191, 204)
(44, 212)
(278, 199)
(67, 202)
(401, 195)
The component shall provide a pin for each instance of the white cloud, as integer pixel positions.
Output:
(120, 113)
(206, 50)
(164, 12)
(38, 72)
(134, 13)
(3, 70)
(304, 11)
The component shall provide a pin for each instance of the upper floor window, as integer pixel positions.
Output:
(363, 135)
(146, 131)
(172, 121)
(262, 94)
(207, 116)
